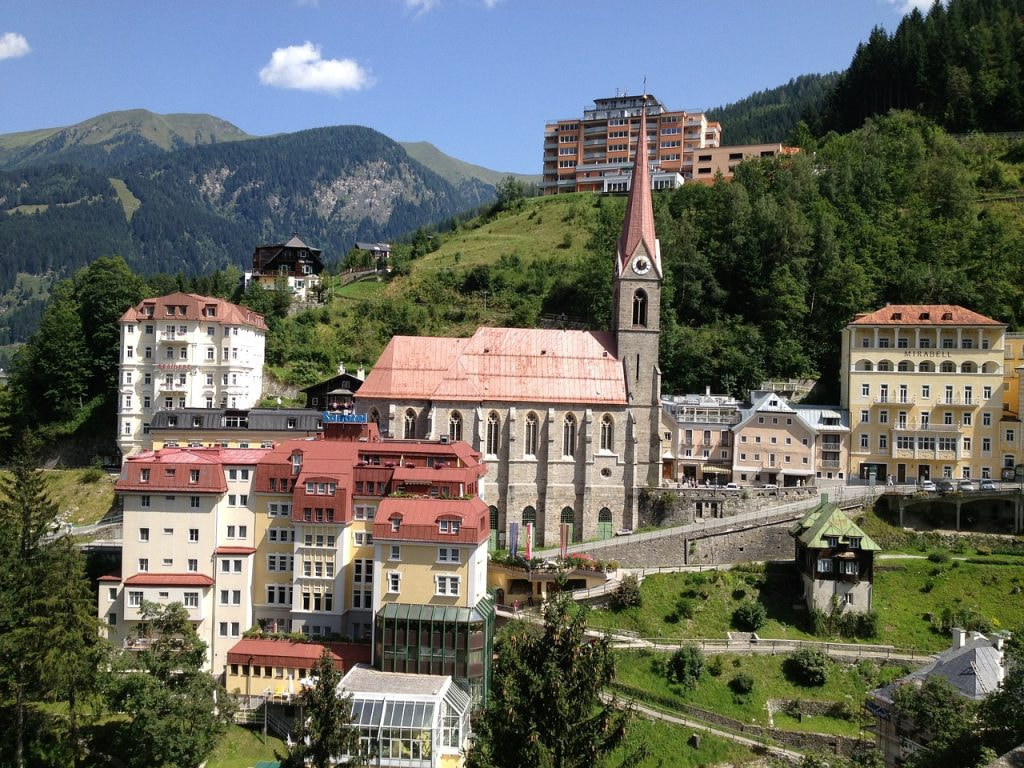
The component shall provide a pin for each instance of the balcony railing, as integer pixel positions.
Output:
(895, 400)
(913, 426)
(830, 463)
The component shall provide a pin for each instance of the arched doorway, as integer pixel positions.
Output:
(604, 523)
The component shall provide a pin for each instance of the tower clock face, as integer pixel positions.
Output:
(641, 265)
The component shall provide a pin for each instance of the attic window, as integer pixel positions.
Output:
(947, 315)
(897, 315)
(395, 523)
(854, 542)
(210, 311)
(925, 316)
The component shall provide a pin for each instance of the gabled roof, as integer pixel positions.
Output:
(828, 520)
(521, 365)
(924, 314)
(168, 580)
(264, 256)
(420, 520)
(267, 652)
(638, 225)
(192, 306)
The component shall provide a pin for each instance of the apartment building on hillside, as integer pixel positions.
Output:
(185, 351)
(292, 266)
(594, 152)
(926, 387)
(327, 536)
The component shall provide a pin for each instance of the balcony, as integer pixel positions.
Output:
(884, 399)
(958, 402)
(913, 426)
(830, 464)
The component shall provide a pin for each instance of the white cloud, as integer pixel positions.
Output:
(13, 45)
(906, 6)
(421, 6)
(301, 67)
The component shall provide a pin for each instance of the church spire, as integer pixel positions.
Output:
(638, 226)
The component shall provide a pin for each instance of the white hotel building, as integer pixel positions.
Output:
(185, 351)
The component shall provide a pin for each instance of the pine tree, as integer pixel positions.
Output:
(325, 730)
(546, 708)
(26, 516)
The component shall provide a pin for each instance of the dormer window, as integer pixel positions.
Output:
(897, 315)
(925, 316)
(296, 463)
(832, 541)
(854, 542)
(448, 526)
(144, 476)
(395, 523)
(947, 315)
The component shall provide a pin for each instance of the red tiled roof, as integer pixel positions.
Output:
(278, 653)
(234, 550)
(168, 580)
(421, 517)
(180, 462)
(923, 314)
(520, 365)
(195, 306)
(638, 225)
(114, 577)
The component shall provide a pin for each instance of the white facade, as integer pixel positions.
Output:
(185, 351)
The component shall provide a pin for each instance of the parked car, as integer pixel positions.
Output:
(926, 485)
(624, 532)
(988, 484)
(945, 485)
(966, 485)
(769, 487)
(732, 486)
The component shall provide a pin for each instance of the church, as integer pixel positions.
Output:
(567, 421)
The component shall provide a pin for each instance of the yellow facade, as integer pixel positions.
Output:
(925, 387)
(418, 567)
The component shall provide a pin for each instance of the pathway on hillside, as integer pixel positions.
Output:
(654, 714)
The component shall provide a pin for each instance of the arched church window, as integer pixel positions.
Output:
(410, 425)
(493, 434)
(640, 308)
(530, 448)
(569, 435)
(455, 426)
(607, 433)
(375, 416)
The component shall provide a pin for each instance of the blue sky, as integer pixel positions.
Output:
(477, 78)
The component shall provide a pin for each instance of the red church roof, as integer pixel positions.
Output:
(520, 365)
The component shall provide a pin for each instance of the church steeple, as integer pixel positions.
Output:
(638, 226)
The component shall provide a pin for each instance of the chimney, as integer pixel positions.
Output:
(707, 390)
(361, 373)
(341, 368)
(959, 637)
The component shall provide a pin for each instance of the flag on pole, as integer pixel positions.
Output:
(529, 541)
(513, 539)
(563, 539)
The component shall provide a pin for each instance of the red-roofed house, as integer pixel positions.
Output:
(185, 351)
(569, 419)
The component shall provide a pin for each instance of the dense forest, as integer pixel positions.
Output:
(773, 114)
(961, 64)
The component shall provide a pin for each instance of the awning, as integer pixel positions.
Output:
(709, 469)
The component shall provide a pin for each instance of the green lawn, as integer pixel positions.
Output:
(713, 596)
(242, 748)
(360, 289)
(905, 592)
(668, 745)
(82, 503)
(846, 685)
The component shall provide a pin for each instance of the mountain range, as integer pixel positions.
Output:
(192, 193)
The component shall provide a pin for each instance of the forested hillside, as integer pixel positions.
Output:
(773, 114)
(199, 209)
(961, 65)
(761, 273)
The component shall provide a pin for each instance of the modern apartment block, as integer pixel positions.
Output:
(325, 536)
(925, 387)
(595, 153)
(185, 351)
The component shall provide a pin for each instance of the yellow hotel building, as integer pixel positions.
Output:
(925, 386)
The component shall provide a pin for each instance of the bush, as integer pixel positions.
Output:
(807, 667)
(750, 616)
(742, 684)
(715, 666)
(685, 666)
(627, 595)
(92, 475)
(684, 608)
(940, 556)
